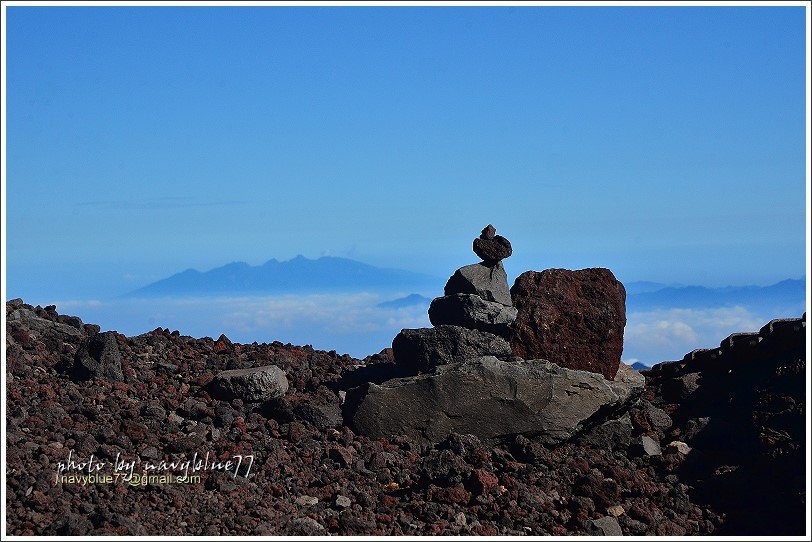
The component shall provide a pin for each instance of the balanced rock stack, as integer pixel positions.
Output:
(463, 376)
(472, 319)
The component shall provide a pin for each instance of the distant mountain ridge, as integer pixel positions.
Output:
(790, 292)
(409, 301)
(333, 274)
(298, 275)
(645, 286)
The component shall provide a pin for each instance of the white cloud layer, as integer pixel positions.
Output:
(353, 323)
(661, 335)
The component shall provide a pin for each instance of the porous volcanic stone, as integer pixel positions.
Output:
(252, 385)
(487, 281)
(98, 356)
(572, 318)
(473, 312)
(492, 250)
(490, 399)
(421, 350)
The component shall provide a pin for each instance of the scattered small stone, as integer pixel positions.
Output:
(306, 500)
(150, 452)
(650, 446)
(615, 511)
(678, 446)
(343, 502)
(174, 418)
(341, 455)
(605, 526)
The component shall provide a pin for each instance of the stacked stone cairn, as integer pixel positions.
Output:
(474, 318)
(462, 375)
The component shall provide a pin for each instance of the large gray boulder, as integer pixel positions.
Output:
(487, 281)
(421, 350)
(98, 356)
(252, 385)
(473, 312)
(491, 399)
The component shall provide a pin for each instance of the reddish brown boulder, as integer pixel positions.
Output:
(573, 318)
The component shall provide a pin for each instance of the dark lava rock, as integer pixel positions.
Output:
(473, 312)
(490, 247)
(421, 350)
(572, 318)
(98, 356)
(741, 408)
(252, 385)
(610, 435)
(487, 281)
(320, 415)
(605, 526)
(490, 399)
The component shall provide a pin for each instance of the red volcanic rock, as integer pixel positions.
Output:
(573, 318)
(482, 481)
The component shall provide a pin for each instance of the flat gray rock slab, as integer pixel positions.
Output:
(490, 399)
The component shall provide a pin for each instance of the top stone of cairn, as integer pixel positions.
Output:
(490, 247)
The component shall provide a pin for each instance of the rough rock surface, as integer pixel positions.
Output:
(423, 349)
(98, 356)
(253, 384)
(491, 399)
(40, 326)
(737, 413)
(473, 312)
(572, 318)
(490, 247)
(487, 281)
(492, 250)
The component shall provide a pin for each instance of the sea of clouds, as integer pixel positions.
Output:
(354, 324)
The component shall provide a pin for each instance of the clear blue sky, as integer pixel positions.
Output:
(665, 143)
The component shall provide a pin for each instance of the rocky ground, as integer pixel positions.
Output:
(709, 448)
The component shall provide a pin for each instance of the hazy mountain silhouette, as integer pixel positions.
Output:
(645, 286)
(790, 292)
(298, 275)
(409, 301)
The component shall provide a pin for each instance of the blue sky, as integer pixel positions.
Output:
(667, 144)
